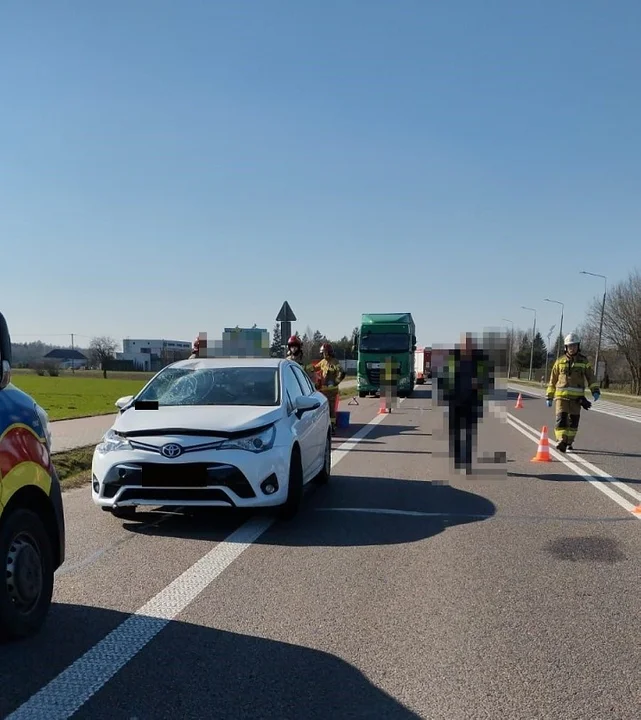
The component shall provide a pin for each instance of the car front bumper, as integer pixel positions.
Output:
(228, 478)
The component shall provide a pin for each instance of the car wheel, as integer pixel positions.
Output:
(26, 574)
(128, 512)
(323, 476)
(294, 488)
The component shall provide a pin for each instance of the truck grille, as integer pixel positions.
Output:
(373, 376)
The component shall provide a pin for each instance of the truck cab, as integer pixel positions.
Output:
(32, 526)
(386, 341)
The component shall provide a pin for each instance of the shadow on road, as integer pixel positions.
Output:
(379, 431)
(190, 671)
(353, 512)
(570, 477)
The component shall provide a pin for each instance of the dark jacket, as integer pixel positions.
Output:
(466, 379)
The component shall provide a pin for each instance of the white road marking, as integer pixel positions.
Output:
(78, 683)
(601, 406)
(601, 484)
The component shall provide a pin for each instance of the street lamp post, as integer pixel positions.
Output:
(558, 348)
(533, 335)
(598, 347)
(509, 356)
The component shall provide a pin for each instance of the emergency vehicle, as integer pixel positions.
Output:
(32, 526)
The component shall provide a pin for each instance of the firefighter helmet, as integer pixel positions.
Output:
(327, 347)
(572, 339)
(294, 340)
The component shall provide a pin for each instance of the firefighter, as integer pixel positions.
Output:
(295, 349)
(329, 374)
(195, 349)
(570, 374)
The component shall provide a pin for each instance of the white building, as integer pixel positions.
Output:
(151, 355)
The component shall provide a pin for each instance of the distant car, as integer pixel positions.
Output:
(245, 433)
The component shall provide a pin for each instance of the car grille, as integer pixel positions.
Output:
(178, 475)
(175, 496)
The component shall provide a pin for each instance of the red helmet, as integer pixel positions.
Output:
(327, 347)
(294, 340)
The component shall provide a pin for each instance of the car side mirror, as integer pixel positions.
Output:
(123, 401)
(305, 403)
(5, 353)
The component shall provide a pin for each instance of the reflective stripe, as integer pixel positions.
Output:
(570, 393)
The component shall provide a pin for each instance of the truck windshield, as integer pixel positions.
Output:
(385, 342)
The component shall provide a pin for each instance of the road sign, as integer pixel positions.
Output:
(286, 314)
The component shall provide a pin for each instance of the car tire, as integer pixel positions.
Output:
(26, 574)
(127, 512)
(289, 509)
(324, 475)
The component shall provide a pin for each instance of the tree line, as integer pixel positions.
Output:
(620, 354)
(312, 341)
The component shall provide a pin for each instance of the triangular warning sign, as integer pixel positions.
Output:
(286, 314)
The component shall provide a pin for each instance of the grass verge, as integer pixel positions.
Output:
(74, 466)
(74, 396)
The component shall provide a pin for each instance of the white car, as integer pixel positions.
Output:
(245, 433)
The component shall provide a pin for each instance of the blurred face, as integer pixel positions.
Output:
(293, 348)
(573, 349)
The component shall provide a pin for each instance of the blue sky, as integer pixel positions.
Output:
(167, 168)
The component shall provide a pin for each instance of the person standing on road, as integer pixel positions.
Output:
(570, 375)
(463, 383)
(295, 350)
(329, 374)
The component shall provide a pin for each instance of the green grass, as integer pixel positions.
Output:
(74, 466)
(76, 396)
(616, 397)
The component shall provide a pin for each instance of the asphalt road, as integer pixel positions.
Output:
(401, 591)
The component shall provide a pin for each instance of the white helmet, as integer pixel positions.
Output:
(571, 339)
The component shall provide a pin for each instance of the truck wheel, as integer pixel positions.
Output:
(362, 394)
(26, 574)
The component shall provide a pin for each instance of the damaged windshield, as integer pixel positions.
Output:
(214, 386)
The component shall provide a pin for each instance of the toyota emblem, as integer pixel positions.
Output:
(171, 451)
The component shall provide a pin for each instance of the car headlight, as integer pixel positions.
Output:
(44, 421)
(254, 443)
(111, 442)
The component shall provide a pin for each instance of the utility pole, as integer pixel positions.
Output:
(598, 347)
(558, 349)
(509, 356)
(533, 336)
(73, 362)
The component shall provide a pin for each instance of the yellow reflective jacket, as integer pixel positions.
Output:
(570, 376)
(330, 371)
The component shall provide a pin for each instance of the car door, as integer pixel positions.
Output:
(319, 416)
(303, 426)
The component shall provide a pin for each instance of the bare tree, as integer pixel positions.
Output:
(622, 324)
(101, 350)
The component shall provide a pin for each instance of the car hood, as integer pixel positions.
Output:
(222, 420)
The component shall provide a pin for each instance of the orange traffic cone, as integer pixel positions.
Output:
(543, 451)
(519, 402)
(382, 410)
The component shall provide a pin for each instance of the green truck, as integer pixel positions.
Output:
(382, 336)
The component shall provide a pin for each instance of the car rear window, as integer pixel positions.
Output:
(214, 386)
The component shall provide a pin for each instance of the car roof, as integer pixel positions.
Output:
(198, 363)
